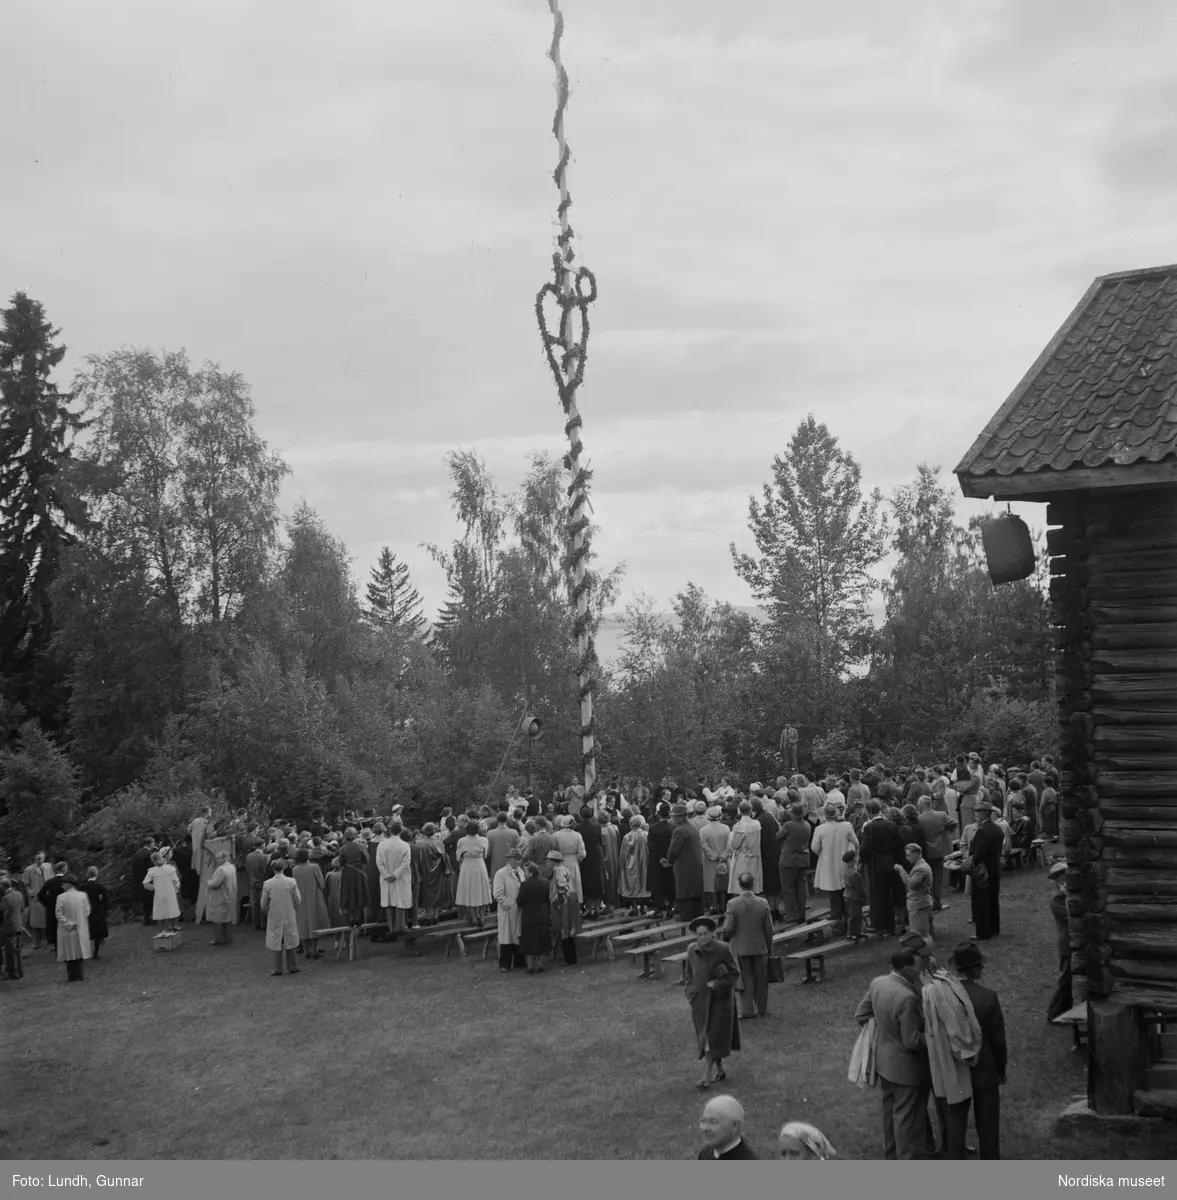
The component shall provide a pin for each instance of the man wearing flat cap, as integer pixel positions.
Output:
(685, 857)
(988, 1071)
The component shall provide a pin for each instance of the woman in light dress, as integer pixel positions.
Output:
(473, 892)
(163, 882)
(744, 851)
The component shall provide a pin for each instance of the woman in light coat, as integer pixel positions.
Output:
(634, 865)
(280, 902)
(572, 849)
(505, 891)
(163, 882)
(744, 851)
(830, 841)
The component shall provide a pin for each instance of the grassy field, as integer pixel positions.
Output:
(201, 1055)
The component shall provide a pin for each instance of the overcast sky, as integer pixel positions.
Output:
(876, 213)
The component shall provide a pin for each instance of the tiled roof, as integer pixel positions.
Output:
(1104, 391)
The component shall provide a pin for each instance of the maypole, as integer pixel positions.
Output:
(573, 289)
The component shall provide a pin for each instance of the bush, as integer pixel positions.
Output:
(1007, 731)
(38, 792)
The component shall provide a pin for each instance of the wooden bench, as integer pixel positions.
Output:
(649, 954)
(818, 926)
(612, 934)
(818, 953)
(350, 936)
(1076, 1018)
(1015, 859)
(1036, 852)
(455, 935)
(640, 936)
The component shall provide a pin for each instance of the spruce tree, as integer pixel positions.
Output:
(37, 509)
(393, 602)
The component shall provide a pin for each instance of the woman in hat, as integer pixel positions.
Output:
(799, 1140)
(313, 912)
(712, 975)
(72, 910)
(163, 882)
(473, 892)
(535, 918)
(571, 846)
(713, 841)
(565, 907)
(505, 891)
(634, 866)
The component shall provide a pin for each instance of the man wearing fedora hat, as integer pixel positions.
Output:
(985, 853)
(988, 1071)
(685, 858)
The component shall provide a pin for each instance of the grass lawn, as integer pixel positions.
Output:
(201, 1055)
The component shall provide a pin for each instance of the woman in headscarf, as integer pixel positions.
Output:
(221, 908)
(312, 912)
(565, 907)
(163, 882)
(830, 842)
(571, 846)
(799, 1140)
(634, 866)
(473, 892)
(713, 841)
(72, 910)
(431, 871)
(712, 975)
(99, 899)
(535, 918)
(744, 848)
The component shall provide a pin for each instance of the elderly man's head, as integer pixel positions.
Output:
(722, 1122)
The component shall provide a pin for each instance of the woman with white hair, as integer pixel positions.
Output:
(163, 882)
(830, 842)
(635, 864)
(572, 848)
(744, 849)
(799, 1140)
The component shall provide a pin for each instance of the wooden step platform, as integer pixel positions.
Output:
(817, 954)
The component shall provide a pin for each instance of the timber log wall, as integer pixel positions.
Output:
(1114, 607)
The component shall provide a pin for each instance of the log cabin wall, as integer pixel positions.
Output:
(1114, 607)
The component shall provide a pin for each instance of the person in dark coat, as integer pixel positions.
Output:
(535, 923)
(592, 869)
(47, 897)
(99, 907)
(375, 914)
(986, 850)
(880, 849)
(712, 975)
(988, 1072)
(685, 856)
(793, 840)
(354, 893)
(1063, 999)
(189, 879)
(661, 878)
(140, 865)
(770, 863)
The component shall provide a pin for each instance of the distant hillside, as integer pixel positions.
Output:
(610, 633)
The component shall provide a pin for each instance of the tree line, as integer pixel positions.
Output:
(167, 634)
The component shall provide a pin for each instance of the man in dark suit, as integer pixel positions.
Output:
(747, 927)
(900, 1055)
(47, 897)
(685, 857)
(986, 850)
(881, 848)
(722, 1126)
(140, 865)
(988, 1072)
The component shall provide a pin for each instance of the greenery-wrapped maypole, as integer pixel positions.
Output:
(573, 289)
